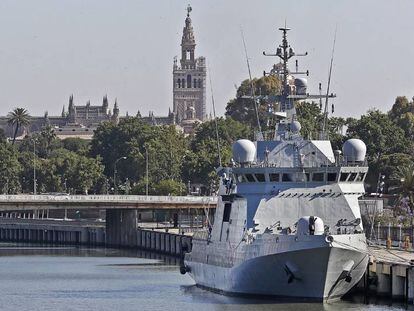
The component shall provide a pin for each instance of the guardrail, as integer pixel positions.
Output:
(26, 201)
(106, 198)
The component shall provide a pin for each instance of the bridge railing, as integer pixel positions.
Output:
(108, 198)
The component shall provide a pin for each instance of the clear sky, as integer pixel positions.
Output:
(50, 49)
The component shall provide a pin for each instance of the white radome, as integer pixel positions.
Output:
(354, 150)
(295, 126)
(244, 151)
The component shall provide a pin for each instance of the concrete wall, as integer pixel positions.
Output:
(121, 231)
(55, 234)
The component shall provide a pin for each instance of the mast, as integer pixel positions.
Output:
(285, 52)
(256, 110)
(325, 113)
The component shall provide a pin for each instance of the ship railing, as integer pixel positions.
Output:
(339, 162)
(351, 162)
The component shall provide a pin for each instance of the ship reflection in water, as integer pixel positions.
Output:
(37, 277)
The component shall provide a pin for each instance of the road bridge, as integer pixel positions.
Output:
(23, 202)
(122, 212)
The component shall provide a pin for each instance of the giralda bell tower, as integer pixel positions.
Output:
(189, 79)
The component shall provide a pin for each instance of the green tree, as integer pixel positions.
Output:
(382, 138)
(380, 134)
(79, 173)
(242, 107)
(78, 145)
(404, 178)
(126, 139)
(18, 118)
(336, 127)
(310, 117)
(402, 113)
(400, 107)
(166, 152)
(390, 164)
(169, 187)
(202, 160)
(47, 178)
(26, 174)
(3, 137)
(10, 169)
(48, 138)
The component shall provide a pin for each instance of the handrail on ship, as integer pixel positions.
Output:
(341, 163)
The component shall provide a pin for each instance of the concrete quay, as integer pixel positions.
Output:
(389, 274)
(94, 233)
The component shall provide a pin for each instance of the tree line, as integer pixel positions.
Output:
(134, 157)
(129, 157)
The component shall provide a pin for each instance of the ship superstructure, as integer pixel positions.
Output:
(287, 221)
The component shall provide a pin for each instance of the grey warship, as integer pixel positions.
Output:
(287, 222)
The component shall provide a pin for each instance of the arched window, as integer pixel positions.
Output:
(188, 81)
(182, 83)
(179, 83)
(195, 83)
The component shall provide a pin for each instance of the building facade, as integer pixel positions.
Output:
(79, 121)
(189, 101)
(189, 78)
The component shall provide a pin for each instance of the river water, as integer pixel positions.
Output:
(72, 278)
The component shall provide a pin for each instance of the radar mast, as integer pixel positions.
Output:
(292, 89)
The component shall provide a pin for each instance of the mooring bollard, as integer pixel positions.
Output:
(388, 242)
(407, 242)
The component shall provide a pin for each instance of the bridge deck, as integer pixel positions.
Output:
(44, 201)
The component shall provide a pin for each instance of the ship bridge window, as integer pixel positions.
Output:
(360, 177)
(343, 177)
(331, 177)
(352, 176)
(227, 212)
(287, 177)
(260, 177)
(318, 176)
(250, 178)
(274, 177)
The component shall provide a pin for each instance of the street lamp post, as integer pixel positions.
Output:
(34, 166)
(117, 160)
(146, 170)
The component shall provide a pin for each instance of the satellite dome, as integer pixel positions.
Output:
(301, 85)
(354, 150)
(244, 151)
(295, 126)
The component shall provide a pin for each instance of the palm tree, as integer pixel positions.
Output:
(404, 179)
(18, 117)
(49, 135)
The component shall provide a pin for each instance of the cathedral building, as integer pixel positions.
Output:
(79, 121)
(189, 79)
(189, 101)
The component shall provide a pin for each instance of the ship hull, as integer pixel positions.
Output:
(317, 273)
